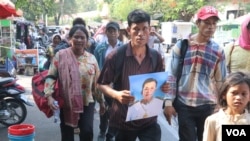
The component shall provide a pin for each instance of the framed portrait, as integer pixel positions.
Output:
(146, 88)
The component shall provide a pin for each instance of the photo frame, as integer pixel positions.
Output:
(146, 88)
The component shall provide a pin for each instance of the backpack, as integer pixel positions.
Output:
(38, 81)
(120, 55)
(183, 50)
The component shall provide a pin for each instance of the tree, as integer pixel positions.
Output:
(247, 7)
(66, 7)
(87, 5)
(119, 9)
(165, 10)
(34, 8)
(176, 9)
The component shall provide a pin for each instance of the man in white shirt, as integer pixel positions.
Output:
(154, 37)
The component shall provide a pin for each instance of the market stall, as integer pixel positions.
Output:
(7, 37)
(27, 61)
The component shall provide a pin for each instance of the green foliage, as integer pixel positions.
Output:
(170, 9)
(33, 8)
(194, 29)
(70, 7)
(247, 7)
(163, 10)
(97, 19)
(183, 10)
(119, 9)
(108, 1)
(86, 5)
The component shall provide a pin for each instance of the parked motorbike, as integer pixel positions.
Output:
(12, 102)
(7, 68)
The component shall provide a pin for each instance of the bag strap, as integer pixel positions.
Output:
(183, 50)
(229, 60)
(120, 55)
(36, 83)
(154, 54)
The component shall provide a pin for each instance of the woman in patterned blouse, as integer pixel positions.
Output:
(77, 71)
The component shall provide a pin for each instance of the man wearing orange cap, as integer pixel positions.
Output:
(203, 72)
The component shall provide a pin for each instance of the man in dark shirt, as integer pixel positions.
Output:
(100, 52)
(137, 60)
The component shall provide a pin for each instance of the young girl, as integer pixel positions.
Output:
(234, 102)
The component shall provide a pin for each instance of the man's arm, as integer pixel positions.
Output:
(169, 110)
(123, 96)
(221, 71)
(161, 39)
(107, 90)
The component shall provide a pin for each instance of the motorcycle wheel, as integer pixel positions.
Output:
(17, 110)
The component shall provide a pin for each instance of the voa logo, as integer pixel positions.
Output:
(236, 132)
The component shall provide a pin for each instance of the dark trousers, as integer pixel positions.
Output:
(104, 120)
(85, 124)
(191, 120)
(151, 133)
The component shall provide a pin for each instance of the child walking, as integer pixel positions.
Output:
(234, 102)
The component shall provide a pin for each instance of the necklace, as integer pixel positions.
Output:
(145, 110)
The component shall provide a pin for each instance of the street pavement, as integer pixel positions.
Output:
(46, 130)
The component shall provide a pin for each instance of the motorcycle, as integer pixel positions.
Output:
(12, 102)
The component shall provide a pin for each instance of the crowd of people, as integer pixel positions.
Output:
(208, 95)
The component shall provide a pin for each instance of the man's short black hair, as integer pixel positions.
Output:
(138, 16)
(79, 21)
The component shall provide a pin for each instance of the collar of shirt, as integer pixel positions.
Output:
(110, 48)
(129, 50)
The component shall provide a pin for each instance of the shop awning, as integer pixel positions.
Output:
(7, 9)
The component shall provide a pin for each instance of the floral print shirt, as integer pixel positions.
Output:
(89, 71)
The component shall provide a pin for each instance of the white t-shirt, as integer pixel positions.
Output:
(151, 41)
(110, 48)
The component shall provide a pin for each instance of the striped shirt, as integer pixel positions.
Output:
(203, 72)
(130, 67)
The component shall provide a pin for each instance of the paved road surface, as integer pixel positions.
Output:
(46, 130)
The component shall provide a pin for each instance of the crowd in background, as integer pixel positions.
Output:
(100, 43)
(203, 80)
